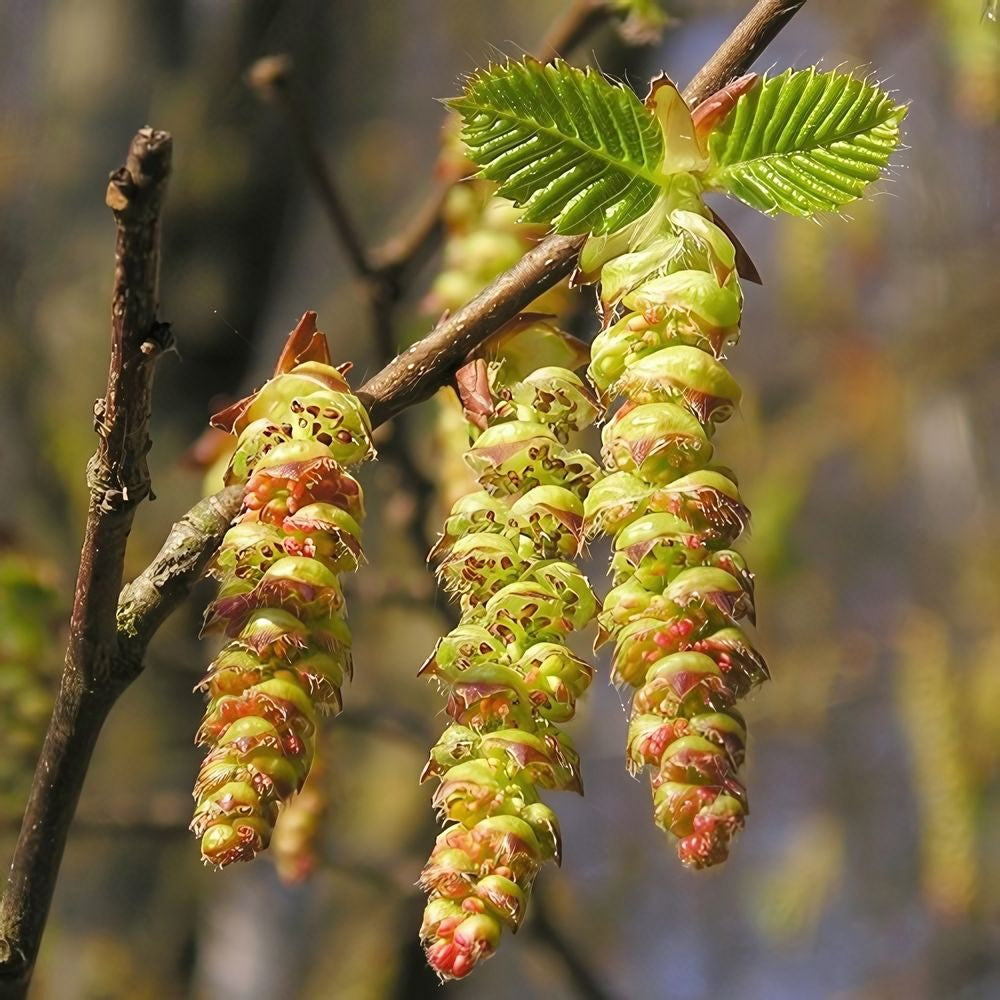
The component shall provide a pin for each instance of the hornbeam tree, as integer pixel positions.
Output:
(618, 180)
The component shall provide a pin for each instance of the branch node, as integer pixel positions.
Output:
(146, 167)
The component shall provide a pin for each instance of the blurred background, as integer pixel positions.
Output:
(866, 448)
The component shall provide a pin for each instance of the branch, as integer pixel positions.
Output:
(419, 372)
(117, 474)
(271, 79)
(149, 599)
(96, 672)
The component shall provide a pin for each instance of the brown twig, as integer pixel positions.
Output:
(740, 50)
(96, 669)
(107, 643)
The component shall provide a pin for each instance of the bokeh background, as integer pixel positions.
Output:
(867, 449)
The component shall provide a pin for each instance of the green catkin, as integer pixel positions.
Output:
(672, 307)
(581, 154)
(280, 602)
(510, 680)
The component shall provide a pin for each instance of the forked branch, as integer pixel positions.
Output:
(97, 668)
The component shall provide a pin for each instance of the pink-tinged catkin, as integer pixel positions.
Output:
(680, 589)
(280, 603)
(511, 681)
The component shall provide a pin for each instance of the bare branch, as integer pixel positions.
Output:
(271, 79)
(96, 671)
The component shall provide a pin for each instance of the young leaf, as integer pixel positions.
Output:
(568, 146)
(804, 142)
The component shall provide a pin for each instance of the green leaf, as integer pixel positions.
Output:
(804, 142)
(568, 146)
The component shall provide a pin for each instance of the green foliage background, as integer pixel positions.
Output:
(866, 449)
